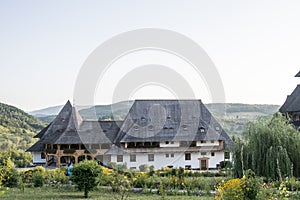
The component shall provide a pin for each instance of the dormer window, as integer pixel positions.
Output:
(136, 128)
(150, 128)
(217, 128)
(184, 127)
(168, 117)
(165, 127)
(143, 119)
(201, 129)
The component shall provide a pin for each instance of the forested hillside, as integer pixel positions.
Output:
(17, 128)
(235, 116)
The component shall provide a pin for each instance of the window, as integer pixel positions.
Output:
(43, 156)
(150, 127)
(212, 141)
(136, 128)
(226, 155)
(172, 155)
(167, 142)
(202, 129)
(150, 157)
(203, 153)
(202, 141)
(107, 158)
(172, 142)
(187, 156)
(132, 158)
(188, 167)
(212, 154)
(184, 144)
(132, 168)
(217, 128)
(119, 158)
(167, 155)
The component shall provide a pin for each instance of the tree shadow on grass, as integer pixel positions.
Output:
(72, 196)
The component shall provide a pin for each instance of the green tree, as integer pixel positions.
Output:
(271, 148)
(6, 165)
(85, 174)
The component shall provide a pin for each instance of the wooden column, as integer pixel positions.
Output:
(58, 161)
(46, 159)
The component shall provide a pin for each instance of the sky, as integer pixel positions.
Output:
(254, 45)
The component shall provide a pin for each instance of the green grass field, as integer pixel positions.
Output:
(53, 193)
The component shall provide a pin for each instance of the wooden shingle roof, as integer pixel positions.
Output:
(292, 102)
(146, 121)
(170, 120)
(69, 128)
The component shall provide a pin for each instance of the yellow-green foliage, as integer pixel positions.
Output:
(231, 190)
(52, 176)
(246, 188)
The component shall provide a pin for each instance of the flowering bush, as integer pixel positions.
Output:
(246, 188)
(231, 189)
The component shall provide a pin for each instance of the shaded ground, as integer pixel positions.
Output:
(53, 193)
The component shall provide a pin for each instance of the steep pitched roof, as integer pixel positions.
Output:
(95, 132)
(147, 121)
(63, 129)
(42, 132)
(170, 120)
(292, 102)
(298, 74)
(37, 147)
(69, 128)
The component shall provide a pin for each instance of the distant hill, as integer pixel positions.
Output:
(17, 128)
(107, 112)
(235, 116)
(53, 110)
(232, 116)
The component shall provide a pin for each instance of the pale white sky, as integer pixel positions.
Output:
(255, 45)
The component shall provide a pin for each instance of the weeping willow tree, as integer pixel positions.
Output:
(270, 147)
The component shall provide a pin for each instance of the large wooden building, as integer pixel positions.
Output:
(173, 133)
(291, 106)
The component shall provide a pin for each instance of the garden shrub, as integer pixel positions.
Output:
(38, 179)
(85, 174)
(144, 168)
(120, 167)
(292, 184)
(11, 178)
(230, 190)
(251, 185)
(225, 164)
(246, 188)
